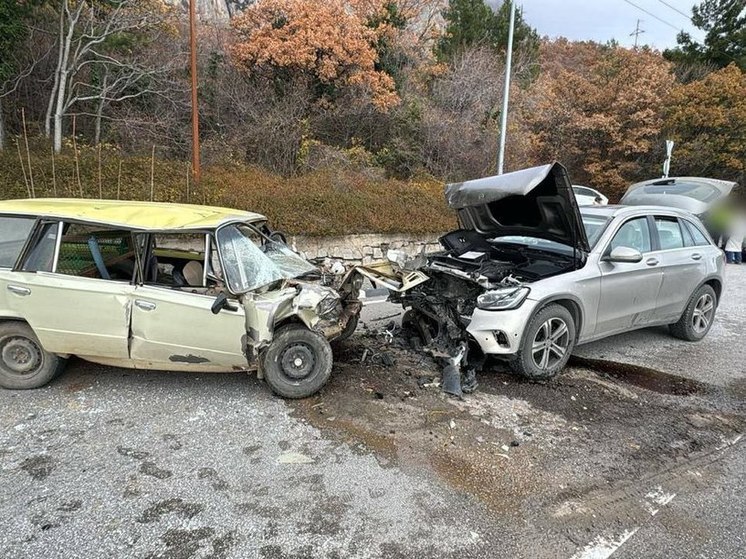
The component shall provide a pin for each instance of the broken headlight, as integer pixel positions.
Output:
(327, 306)
(502, 299)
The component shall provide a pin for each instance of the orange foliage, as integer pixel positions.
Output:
(706, 118)
(328, 39)
(598, 109)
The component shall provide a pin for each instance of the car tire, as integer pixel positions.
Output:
(698, 315)
(24, 363)
(298, 362)
(538, 358)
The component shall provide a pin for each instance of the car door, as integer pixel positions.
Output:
(70, 314)
(629, 291)
(683, 267)
(173, 327)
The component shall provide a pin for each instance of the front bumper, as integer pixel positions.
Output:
(501, 332)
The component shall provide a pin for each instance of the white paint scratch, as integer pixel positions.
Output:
(602, 547)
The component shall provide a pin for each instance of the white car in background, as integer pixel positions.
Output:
(587, 196)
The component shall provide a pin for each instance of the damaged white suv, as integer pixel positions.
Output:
(529, 276)
(163, 286)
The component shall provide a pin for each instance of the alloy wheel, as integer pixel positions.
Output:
(703, 312)
(550, 343)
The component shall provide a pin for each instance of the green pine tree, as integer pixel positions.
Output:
(472, 23)
(724, 22)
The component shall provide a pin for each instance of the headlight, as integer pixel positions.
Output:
(502, 299)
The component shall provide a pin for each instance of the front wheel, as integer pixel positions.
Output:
(298, 362)
(24, 363)
(547, 343)
(698, 316)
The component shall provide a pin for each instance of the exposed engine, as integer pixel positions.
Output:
(440, 309)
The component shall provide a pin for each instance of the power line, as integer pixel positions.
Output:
(651, 14)
(675, 9)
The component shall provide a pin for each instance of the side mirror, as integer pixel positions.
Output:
(624, 254)
(220, 303)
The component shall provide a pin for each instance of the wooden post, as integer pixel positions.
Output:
(54, 175)
(195, 108)
(119, 179)
(77, 163)
(23, 169)
(189, 172)
(152, 173)
(100, 187)
(28, 153)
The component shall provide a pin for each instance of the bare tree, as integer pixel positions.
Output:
(86, 29)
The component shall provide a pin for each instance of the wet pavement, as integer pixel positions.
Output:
(643, 459)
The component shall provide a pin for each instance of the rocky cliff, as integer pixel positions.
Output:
(214, 10)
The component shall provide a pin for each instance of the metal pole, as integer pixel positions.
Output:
(506, 92)
(195, 110)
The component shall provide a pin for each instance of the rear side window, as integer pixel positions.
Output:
(41, 257)
(14, 232)
(633, 234)
(669, 233)
(697, 235)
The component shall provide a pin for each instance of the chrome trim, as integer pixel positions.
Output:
(206, 262)
(57, 244)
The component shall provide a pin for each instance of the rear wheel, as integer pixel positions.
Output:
(547, 343)
(298, 362)
(24, 363)
(698, 316)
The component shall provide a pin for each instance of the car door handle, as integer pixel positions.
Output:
(18, 290)
(144, 305)
(696, 256)
(652, 262)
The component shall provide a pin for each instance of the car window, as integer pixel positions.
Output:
(176, 260)
(252, 260)
(14, 232)
(594, 226)
(701, 192)
(583, 191)
(635, 233)
(698, 237)
(94, 251)
(41, 256)
(669, 233)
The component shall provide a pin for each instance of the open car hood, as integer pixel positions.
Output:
(536, 202)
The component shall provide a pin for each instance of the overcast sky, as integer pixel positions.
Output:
(602, 20)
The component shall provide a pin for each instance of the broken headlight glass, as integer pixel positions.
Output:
(502, 299)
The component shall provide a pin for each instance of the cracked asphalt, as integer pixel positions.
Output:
(643, 461)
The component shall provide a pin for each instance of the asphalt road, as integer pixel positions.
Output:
(114, 463)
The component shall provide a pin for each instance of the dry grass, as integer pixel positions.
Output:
(326, 202)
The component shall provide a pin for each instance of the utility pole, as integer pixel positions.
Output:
(506, 91)
(637, 32)
(195, 108)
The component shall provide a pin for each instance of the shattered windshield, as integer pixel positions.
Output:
(252, 260)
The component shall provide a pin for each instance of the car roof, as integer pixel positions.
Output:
(156, 216)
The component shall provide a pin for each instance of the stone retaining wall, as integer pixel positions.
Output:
(361, 249)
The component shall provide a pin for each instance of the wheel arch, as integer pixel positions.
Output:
(573, 306)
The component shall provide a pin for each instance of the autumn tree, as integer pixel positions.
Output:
(330, 42)
(601, 114)
(706, 118)
(724, 22)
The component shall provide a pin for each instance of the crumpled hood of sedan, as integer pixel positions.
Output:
(536, 202)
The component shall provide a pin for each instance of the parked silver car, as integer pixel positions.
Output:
(530, 275)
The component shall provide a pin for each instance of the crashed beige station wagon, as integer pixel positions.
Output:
(159, 286)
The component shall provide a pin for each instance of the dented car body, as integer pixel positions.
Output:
(527, 276)
(171, 287)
